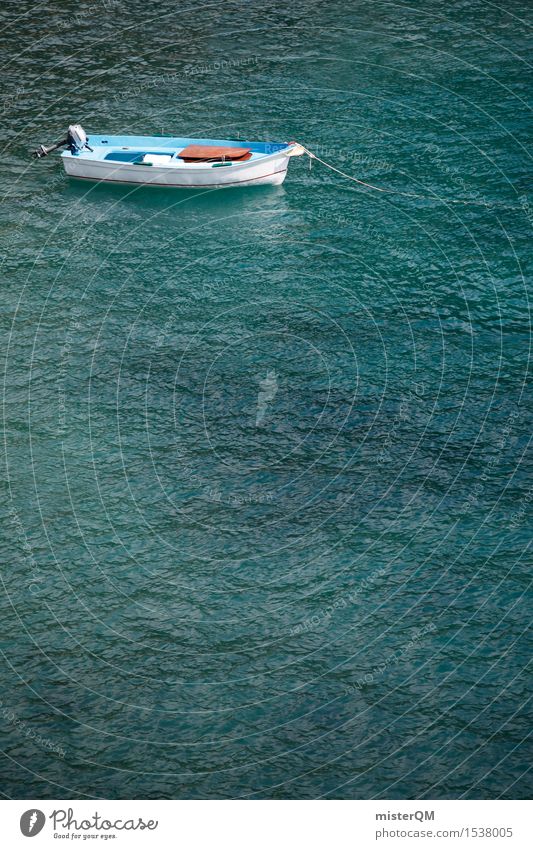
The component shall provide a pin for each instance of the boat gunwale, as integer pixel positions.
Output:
(169, 146)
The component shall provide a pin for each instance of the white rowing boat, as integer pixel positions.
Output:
(173, 162)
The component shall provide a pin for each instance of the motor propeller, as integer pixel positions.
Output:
(76, 140)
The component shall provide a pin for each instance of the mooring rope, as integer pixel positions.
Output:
(484, 203)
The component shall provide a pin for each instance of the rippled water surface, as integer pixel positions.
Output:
(268, 479)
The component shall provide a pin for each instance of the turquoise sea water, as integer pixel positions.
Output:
(267, 451)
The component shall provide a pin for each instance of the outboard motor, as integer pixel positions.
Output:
(77, 137)
(76, 140)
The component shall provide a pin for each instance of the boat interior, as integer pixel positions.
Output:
(153, 150)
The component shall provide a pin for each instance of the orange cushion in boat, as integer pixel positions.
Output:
(206, 153)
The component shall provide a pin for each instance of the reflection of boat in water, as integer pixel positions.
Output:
(177, 162)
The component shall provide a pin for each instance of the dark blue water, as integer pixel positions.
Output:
(267, 455)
